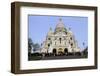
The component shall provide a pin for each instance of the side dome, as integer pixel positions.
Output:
(50, 31)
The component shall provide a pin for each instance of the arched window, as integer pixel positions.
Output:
(71, 44)
(49, 38)
(65, 50)
(60, 40)
(48, 45)
(71, 38)
(55, 43)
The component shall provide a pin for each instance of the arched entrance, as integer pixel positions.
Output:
(60, 49)
(66, 51)
(54, 51)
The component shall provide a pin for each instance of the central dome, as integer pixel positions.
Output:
(60, 24)
(60, 27)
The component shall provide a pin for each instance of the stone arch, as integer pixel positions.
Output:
(66, 50)
(54, 51)
(60, 49)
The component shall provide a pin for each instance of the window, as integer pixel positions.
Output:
(60, 40)
(49, 38)
(55, 38)
(65, 43)
(48, 45)
(55, 43)
(71, 44)
(66, 33)
(71, 38)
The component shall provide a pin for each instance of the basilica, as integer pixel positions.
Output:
(61, 40)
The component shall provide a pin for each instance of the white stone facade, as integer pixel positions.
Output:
(61, 40)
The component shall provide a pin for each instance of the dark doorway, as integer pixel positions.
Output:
(54, 51)
(66, 50)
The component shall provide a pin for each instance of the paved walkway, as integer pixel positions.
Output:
(62, 57)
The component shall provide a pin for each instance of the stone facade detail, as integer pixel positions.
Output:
(62, 40)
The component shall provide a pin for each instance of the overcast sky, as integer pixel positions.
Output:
(38, 27)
